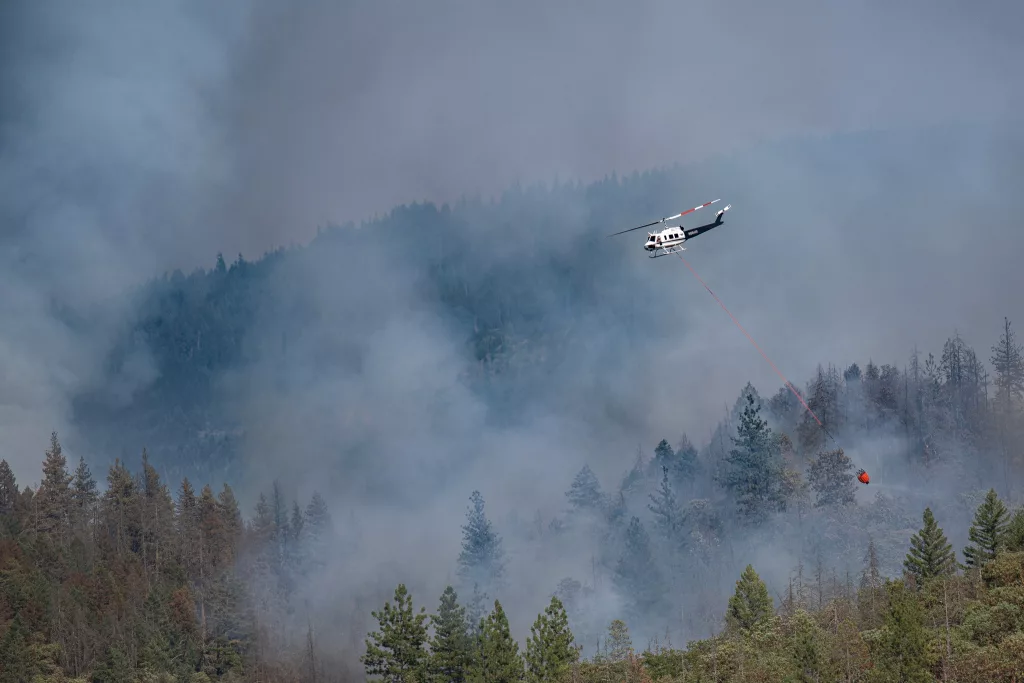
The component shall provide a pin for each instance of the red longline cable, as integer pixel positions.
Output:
(763, 354)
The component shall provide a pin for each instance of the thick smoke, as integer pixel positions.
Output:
(139, 140)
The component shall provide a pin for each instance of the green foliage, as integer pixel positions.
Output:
(451, 647)
(1015, 531)
(585, 492)
(482, 558)
(987, 534)
(550, 650)
(619, 644)
(1008, 361)
(902, 650)
(669, 515)
(15, 663)
(8, 489)
(809, 648)
(931, 555)
(831, 477)
(751, 604)
(756, 473)
(497, 658)
(397, 650)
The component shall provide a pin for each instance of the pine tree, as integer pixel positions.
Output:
(832, 479)
(686, 462)
(930, 555)
(84, 495)
(1015, 532)
(1008, 361)
(808, 649)
(497, 658)
(750, 604)
(670, 518)
(988, 531)
(157, 517)
(619, 644)
(482, 558)
(823, 400)
(550, 651)
(664, 454)
(119, 511)
(16, 665)
(756, 468)
(903, 648)
(476, 610)
(187, 523)
(451, 647)
(232, 515)
(584, 493)
(8, 489)
(636, 576)
(397, 650)
(54, 495)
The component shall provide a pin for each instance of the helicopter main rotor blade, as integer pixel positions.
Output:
(678, 215)
(638, 227)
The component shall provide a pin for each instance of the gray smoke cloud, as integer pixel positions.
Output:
(136, 140)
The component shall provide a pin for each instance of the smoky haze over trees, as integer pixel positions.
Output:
(383, 372)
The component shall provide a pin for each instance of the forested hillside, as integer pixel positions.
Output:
(500, 353)
(131, 581)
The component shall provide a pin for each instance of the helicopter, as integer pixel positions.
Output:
(670, 240)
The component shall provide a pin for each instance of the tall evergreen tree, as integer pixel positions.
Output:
(903, 648)
(397, 650)
(1015, 532)
(619, 642)
(482, 559)
(497, 658)
(8, 489)
(756, 468)
(157, 517)
(831, 477)
(234, 526)
(930, 555)
(550, 650)
(54, 495)
(584, 493)
(119, 511)
(823, 399)
(751, 604)
(1008, 361)
(451, 647)
(476, 610)
(988, 531)
(669, 515)
(84, 495)
(636, 576)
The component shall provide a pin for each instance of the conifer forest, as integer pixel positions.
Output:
(327, 354)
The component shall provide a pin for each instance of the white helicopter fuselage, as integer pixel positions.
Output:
(670, 237)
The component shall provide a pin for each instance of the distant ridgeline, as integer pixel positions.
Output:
(516, 279)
